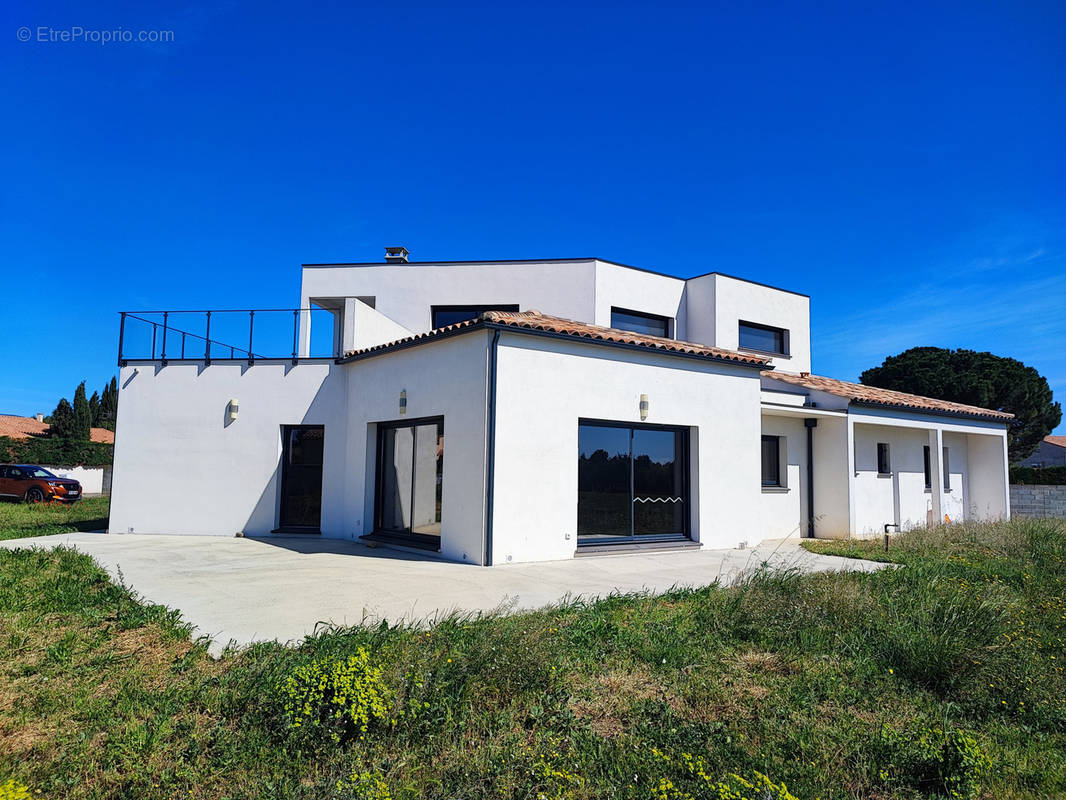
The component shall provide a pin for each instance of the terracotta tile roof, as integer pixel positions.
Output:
(871, 395)
(25, 427)
(535, 321)
(1058, 441)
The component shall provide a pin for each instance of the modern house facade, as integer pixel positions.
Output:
(512, 411)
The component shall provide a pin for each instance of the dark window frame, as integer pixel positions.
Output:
(786, 337)
(686, 481)
(884, 459)
(946, 463)
(777, 482)
(420, 539)
(927, 464)
(668, 322)
(477, 308)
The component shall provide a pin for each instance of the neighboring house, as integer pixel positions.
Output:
(510, 411)
(1049, 453)
(94, 480)
(26, 427)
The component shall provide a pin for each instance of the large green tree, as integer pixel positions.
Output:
(979, 379)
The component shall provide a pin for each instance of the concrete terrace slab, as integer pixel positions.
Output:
(281, 588)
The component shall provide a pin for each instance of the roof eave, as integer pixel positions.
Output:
(936, 412)
(434, 336)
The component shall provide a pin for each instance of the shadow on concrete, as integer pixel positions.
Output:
(314, 544)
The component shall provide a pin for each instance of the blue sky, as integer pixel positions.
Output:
(903, 164)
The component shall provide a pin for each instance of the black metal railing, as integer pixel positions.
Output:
(227, 335)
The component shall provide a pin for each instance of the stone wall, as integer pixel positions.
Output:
(1037, 501)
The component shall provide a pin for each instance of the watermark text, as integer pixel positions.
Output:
(76, 34)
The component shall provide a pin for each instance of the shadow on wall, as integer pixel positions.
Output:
(326, 409)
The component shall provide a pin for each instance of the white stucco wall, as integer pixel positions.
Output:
(634, 290)
(900, 498)
(783, 511)
(544, 387)
(736, 300)
(182, 467)
(956, 502)
(405, 293)
(443, 378)
(989, 495)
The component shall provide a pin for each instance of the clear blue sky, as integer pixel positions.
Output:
(903, 165)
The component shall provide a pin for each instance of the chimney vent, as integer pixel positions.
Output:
(396, 255)
(40, 417)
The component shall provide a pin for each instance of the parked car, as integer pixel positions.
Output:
(36, 484)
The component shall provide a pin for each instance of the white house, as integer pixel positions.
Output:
(512, 411)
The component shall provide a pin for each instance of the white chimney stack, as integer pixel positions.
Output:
(40, 417)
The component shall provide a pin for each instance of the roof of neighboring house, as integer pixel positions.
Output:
(25, 427)
(872, 396)
(535, 322)
(1058, 441)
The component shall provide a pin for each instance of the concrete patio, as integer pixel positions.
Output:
(281, 588)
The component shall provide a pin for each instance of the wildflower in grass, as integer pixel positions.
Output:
(343, 698)
(13, 790)
(364, 786)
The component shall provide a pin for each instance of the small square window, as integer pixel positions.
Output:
(884, 459)
(771, 461)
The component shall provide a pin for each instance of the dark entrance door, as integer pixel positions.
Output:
(301, 477)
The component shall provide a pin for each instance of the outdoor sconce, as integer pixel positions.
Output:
(403, 402)
(643, 407)
(234, 407)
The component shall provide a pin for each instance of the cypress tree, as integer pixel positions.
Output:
(82, 418)
(94, 410)
(62, 420)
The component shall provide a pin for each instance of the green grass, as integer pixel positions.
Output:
(943, 675)
(18, 520)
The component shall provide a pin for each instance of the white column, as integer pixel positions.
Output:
(1006, 478)
(850, 438)
(936, 471)
(348, 325)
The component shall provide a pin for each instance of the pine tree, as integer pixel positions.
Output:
(82, 417)
(62, 420)
(94, 409)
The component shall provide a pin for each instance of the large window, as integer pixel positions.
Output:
(632, 483)
(639, 322)
(771, 461)
(449, 315)
(410, 480)
(763, 338)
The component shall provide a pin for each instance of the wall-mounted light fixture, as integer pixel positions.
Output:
(233, 407)
(643, 407)
(403, 402)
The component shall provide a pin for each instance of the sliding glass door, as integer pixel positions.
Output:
(410, 480)
(632, 483)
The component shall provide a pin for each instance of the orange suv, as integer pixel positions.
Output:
(36, 485)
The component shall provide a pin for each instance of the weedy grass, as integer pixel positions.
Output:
(941, 678)
(19, 520)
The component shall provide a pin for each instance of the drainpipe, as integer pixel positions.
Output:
(490, 478)
(810, 423)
